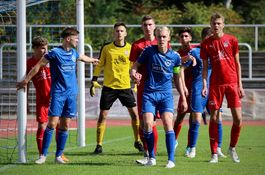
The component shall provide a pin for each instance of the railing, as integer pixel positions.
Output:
(30, 49)
(256, 28)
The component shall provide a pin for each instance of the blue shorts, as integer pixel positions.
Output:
(157, 101)
(198, 102)
(63, 105)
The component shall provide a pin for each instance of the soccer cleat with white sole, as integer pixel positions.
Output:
(170, 164)
(142, 161)
(233, 154)
(41, 159)
(192, 153)
(151, 162)
(187, 152)
(214, 158)
(220, 154)
(59, 160)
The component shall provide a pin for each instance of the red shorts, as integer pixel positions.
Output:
(42, 112)
(216, 96)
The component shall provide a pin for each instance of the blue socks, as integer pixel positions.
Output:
(47, 140)
(194, 132)
(149, 138)
(62, 137)
(170, 142)
(220, 134)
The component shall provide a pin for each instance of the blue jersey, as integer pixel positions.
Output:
(198, 102)
(63, 70)
(159, 68)
(197, 70)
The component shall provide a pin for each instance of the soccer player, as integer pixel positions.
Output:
(62, 61)
(161, 63)
(114, 59)
(199, 102)
(222, 51)
(42, 83)
(185, 38)
(148, 27)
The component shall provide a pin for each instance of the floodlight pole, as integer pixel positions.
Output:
(21, 71)
(81, 73)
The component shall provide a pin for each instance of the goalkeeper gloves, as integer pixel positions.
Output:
(94, 85)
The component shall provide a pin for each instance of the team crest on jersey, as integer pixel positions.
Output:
(73, 58)
(167, 63)
(226, 44)
(126, 52)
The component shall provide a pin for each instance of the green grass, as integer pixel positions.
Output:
(119, 156)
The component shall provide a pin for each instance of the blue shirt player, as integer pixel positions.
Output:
(198, 101)
(64, 90)
(162, 66)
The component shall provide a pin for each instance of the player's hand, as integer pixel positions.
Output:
(184, 105)
(136, 77)
(22, 84)
(193, 59)
(241, 92)
(94, 85)
(204, 92)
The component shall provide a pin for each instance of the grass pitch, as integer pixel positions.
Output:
(119, 155)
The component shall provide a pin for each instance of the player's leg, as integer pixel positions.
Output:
(220, 135)
(235, 132)
(108, 97)
(69, 111)
(127, 99)
(42, 119)
(39, 135)
(47, 138)
(167, 119)
(194, 133)
(56, 139)
(62, 138)
(234, 102)
(101, 128)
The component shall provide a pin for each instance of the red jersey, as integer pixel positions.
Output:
(188, 70)
(221, 53)
(137, 48)
(41, 81)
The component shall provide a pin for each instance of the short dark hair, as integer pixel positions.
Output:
(69, 31)
(120, 24)
(39, 41)
(147, 17)
(185, 29)
(206, 31)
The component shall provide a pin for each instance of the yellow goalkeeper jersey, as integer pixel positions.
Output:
(115, 63)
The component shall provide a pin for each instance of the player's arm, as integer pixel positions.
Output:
(179, 86)
(87, 59)
(22, 84)
(204, 77)
(135, 75)
(238, 66)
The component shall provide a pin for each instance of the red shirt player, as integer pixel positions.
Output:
(42, 83)
(222, 50)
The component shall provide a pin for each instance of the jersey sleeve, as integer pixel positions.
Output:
(203, 51)
(134, 53)
(142, 59)
(50, 55)
(235, 46)
(101, 64)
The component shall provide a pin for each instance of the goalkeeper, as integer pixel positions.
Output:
(114, 60)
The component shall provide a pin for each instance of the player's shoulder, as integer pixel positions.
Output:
(139, 41)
